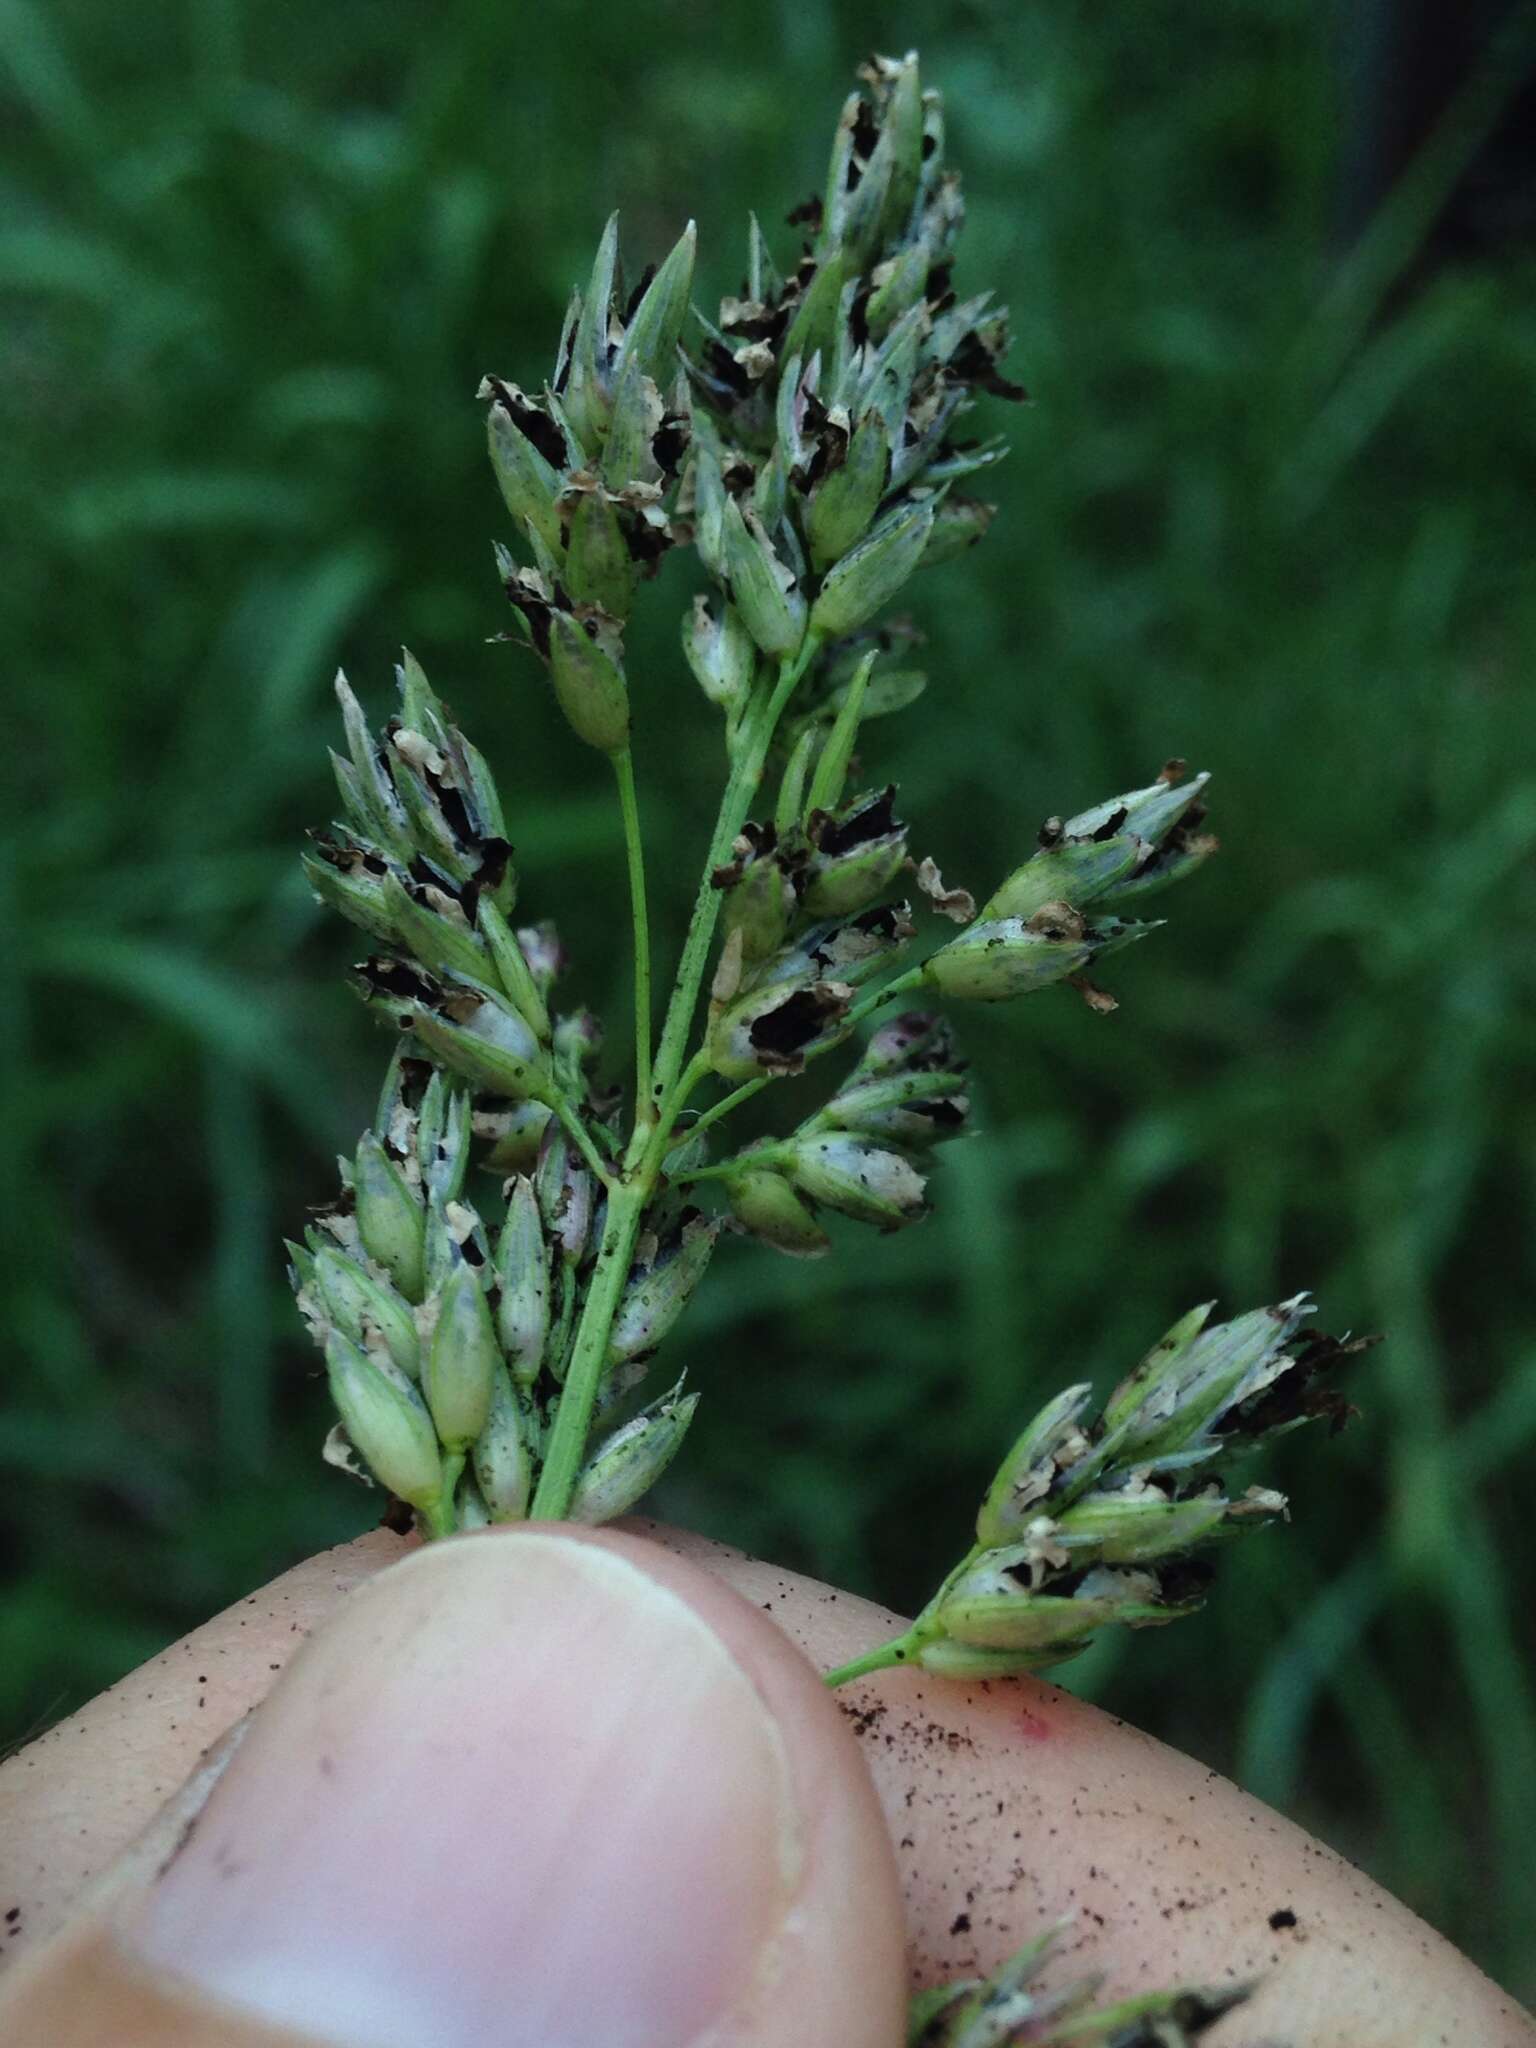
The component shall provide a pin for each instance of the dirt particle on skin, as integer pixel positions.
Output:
(961, 1924)
(1282, 1917)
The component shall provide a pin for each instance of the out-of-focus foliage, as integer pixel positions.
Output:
(1272, 511)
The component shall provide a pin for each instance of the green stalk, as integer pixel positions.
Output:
(874, 999)
(698, 1069)
(573, 1417)
(884, 1657)
(629, 1194)
(562, 1340)
(900, 1649)
(746, 775)
(760, 1155)
(440, 1518)
(725, 1105)
(624, 773)
(581, 1137)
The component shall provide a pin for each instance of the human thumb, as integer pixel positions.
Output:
(530, 1787)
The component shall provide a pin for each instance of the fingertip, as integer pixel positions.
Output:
(840, 1974)
(541, 1786)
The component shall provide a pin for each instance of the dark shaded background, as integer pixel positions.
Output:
(1274, 288)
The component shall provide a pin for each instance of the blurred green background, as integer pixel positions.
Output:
(1275, 296)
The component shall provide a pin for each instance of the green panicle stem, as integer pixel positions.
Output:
(624, 774)
(560, 1344)
(632, 1190)
(753, 742)
(697, 1071)
(573, 1417)
(580, 1136)
(884, 1657)
(866, 1004)
(726, 1104)
(440, 1519)
(771, 1154)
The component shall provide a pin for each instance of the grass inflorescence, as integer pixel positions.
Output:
(1267, 513)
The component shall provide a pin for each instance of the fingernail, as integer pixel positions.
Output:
(518, 1792)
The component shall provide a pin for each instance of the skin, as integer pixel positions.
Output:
(1008, 1804)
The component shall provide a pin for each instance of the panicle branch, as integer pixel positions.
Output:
(1092, 1522)
(1011, 2008)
